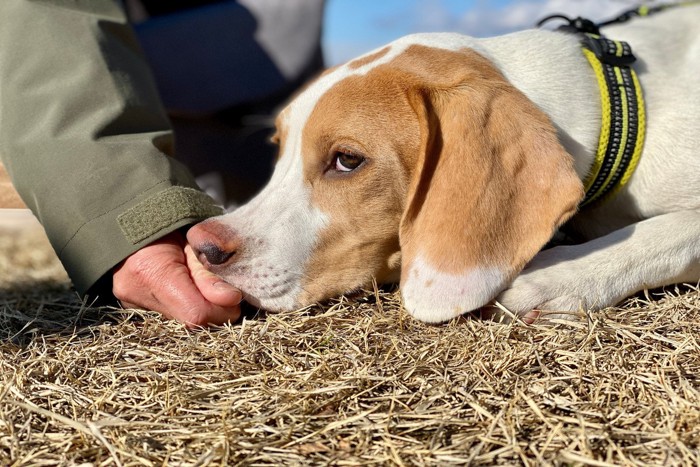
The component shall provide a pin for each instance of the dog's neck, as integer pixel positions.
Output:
(551, 70)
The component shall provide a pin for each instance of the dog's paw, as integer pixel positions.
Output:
(538, 295)
(554, 286)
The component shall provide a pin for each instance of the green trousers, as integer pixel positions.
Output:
(84, 136)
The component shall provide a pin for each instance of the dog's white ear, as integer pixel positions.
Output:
(490, 187)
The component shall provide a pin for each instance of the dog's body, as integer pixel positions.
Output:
(448, 162)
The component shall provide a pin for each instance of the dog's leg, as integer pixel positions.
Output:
(659, 251)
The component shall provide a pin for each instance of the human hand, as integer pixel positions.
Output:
(166, 276)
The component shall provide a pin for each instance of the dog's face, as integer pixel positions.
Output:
(328, 220)
(412, 162)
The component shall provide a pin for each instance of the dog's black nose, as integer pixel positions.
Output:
(213, 243)
(214, 254)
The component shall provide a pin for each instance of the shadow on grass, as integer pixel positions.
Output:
(33, 309)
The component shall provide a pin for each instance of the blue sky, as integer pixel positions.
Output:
(353, 27)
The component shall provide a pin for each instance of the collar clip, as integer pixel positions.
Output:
(615, 53)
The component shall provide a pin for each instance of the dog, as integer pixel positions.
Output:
(447, 163)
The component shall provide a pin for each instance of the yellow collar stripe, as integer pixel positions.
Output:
(623, 120)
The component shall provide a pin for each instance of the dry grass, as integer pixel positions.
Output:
(353, 382)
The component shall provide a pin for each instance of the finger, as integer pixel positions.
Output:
(212, 287)
(492, 312)
(180, 299)
(531, 316)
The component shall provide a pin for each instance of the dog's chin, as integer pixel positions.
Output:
(290, 300)
(277, 304)
(276, 294)
(253, 301)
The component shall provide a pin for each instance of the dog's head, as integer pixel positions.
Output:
(413, 163)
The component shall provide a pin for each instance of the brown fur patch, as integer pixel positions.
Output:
(493, 182)
(280, 134)
(364, 206)
(357, 63)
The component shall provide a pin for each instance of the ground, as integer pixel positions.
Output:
(355, 381)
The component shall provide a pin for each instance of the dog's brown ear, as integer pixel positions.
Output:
(490, 187)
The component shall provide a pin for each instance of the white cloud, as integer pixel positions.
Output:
(486, 20)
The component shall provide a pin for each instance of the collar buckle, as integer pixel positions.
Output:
(615, 53)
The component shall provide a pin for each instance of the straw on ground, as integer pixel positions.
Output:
(355, 381)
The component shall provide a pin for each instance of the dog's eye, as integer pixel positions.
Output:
(347, 162)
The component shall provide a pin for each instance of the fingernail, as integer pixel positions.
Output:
(531, 316)
(225, 286)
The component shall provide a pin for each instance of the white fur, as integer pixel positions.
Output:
(280, 227)
(658, 251)
(649, 234)
(434, 296)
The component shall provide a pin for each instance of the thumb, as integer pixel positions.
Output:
(211, 286)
